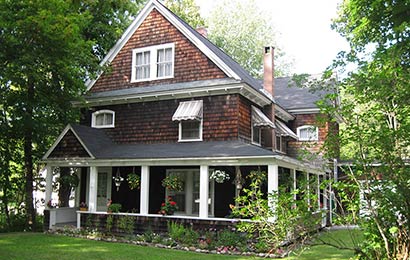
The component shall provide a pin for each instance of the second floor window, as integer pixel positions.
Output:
(308, 133)
(103, 119)
(154, 62)
(189, 114)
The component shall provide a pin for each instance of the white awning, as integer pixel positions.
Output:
(282, 129)
(259, 118)
(188, 110)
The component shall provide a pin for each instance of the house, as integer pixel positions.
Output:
(174, 104)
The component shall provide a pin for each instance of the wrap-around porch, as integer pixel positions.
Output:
(200, 201)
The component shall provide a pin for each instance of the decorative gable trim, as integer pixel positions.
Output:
(175, 22)
(61, 136)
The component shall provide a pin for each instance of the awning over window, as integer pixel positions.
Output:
(188, 110)
(282, 129)
(259, 118)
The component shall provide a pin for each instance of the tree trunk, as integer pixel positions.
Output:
(65, 188)
(28, 158)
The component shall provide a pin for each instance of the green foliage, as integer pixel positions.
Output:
(126, 224)
(49, 48)
(279, 217)
(241, 29)
(187, 10)
(109, 223)
(228, 238)
(375, 111)
(115, 207)
(134, 181)
(181, 234)
(173, 182)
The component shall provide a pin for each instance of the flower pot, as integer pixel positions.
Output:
(83, 209)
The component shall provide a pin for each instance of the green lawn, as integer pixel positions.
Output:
(44, 246)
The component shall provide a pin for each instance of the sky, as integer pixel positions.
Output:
(304, 30)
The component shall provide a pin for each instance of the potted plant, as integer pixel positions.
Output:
(173, 182)
(83, 206)
(219, 176)
(114, 208)
(134, 181)
(168, 207)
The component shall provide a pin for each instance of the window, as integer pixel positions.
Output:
(189, 114)
(103, 119)
(308, 133)
(151, 63)
(280, 144)
(256, 134)
(190, 130)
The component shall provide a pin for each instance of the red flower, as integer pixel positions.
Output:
(173, 203)
(163, 204)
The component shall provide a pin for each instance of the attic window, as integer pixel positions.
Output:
(152, 63)
(103, 119)
(308, 133)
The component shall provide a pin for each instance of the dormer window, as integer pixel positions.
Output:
(154, 62)
(259, 120)
(103, 119)
(308, 133)
(189, 114)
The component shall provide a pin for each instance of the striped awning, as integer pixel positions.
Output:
(188, 110)
(283, 130)
(259, 119)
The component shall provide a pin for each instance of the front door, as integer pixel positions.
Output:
(103, 188)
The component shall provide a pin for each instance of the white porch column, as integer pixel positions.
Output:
(49, 183)
(203, 191)
(293, 174)
(144, 197)
(273, 185)
(92, 198)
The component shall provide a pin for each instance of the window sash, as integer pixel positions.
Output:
(190, 130)
(256, 134)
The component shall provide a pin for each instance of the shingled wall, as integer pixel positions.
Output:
(190, 63)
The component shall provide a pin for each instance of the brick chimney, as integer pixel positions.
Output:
(268, 85)
(203, 31)
(268, 69)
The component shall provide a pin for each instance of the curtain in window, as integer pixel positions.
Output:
(143, 65)
(164, 62)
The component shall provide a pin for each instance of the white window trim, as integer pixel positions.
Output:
(282, 144)
(316, 129)
(153, 62)
(190, 140)
(104, 111)
(260, 134)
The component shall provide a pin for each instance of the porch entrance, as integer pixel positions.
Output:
(188, 199)
(103, 187)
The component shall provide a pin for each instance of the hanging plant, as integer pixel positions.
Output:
(134, 181)
(173, 182)
(219, 176)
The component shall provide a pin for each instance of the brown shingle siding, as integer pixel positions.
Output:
(190, 63)
(69, 146)
(151, 122)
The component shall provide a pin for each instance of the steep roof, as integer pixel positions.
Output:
(221, 59)
(292, 97)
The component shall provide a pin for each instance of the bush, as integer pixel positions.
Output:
(181, 234)
(229, 238)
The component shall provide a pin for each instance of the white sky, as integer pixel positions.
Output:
(304, 27)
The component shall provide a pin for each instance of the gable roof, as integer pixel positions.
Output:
(294, 98)
(216, 55)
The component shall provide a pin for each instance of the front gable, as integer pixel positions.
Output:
(190, 63)
(68, 145)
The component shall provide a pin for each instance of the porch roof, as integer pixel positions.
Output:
(100, 145)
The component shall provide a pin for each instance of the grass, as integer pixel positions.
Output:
(45, 246)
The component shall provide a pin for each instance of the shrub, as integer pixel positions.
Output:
(181, 234)
(126, 224)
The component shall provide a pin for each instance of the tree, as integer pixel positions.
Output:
(187, 10)
(241, 29)
(376, 113)
(49, 48)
